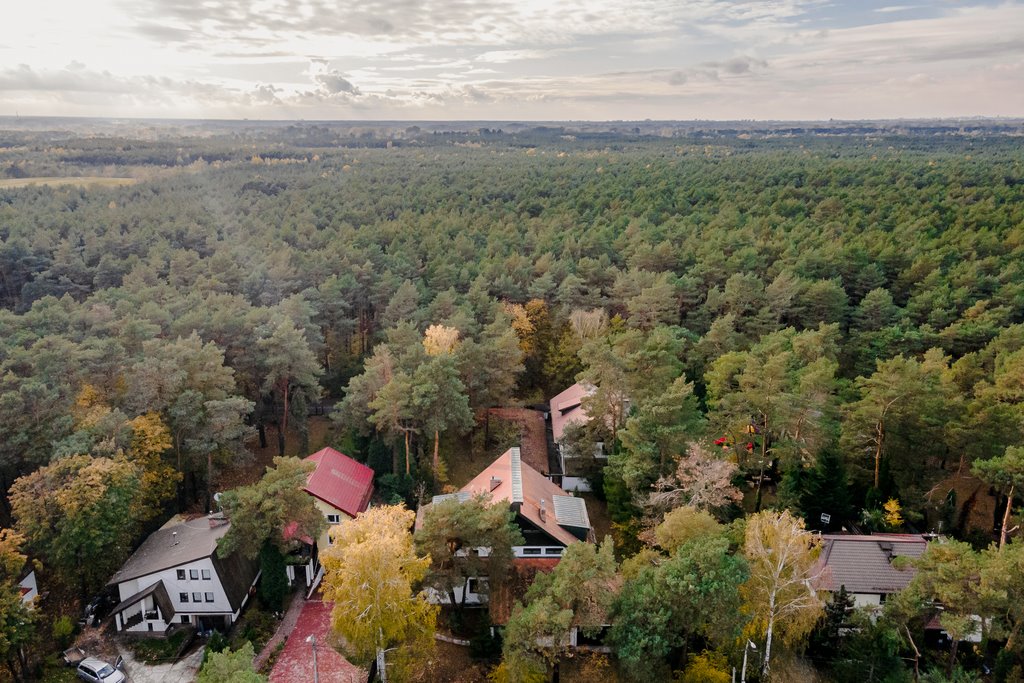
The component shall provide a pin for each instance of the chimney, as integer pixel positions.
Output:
(174, 538)
(495, 482)
(543, 511)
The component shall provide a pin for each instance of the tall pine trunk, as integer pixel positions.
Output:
(437, 459)
(1006, 518)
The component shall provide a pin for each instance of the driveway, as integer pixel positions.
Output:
(182, 671)
(295, 664)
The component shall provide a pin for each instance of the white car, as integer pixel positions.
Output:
(98, 671)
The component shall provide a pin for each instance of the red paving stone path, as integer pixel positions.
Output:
(283, 629)
(295, 665)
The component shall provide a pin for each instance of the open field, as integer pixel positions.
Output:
(84, 181)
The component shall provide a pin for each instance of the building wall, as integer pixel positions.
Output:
(866, 599)
(328, 509)
(29, 582)
(175, 587)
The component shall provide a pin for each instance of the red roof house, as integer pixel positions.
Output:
(340, 486)
(340, 481)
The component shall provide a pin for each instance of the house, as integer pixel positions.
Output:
(27, 584)
(548, 518)
(567, 410)
(864, 564)
(340, 486)
(176, 577)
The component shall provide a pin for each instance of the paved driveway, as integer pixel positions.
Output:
(295, 665)
(182, 671)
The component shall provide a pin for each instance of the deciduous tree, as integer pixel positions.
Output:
(466, 540)
(372, 574)
(779, 596)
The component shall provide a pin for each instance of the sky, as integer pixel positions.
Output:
(512, 60)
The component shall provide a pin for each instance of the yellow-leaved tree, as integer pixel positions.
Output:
(780, 595)
(371, 575)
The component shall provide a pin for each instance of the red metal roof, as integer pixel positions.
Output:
(340, 481)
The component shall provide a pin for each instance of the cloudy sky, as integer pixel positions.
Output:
(513, 59)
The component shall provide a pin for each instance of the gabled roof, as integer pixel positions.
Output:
(864, 563)
(172, 545)
(340, 481)
(566, 409)
(510, 479)
(159, 593)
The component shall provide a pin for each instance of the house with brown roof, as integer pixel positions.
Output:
(176, 577)
(567, 410)
(549, 519)
(864, 564)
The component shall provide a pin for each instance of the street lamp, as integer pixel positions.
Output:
(743, 673)
(311, 639)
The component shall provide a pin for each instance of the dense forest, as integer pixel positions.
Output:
(839, 316)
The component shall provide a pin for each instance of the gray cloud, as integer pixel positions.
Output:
(333, 82)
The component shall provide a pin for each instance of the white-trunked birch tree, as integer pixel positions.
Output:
(780, 596)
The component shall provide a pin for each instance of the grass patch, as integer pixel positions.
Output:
(85, 181)
(159, 650)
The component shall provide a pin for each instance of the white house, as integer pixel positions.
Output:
(28, 586)
(176, 577)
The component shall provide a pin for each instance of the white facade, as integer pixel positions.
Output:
(29, 588)
(194, 590)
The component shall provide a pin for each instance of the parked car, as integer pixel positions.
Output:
(97, 671)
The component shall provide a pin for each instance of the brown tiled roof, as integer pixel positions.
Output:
(566, 409)
(864, 563)
(533, 487)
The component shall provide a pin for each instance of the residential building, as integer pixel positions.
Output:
(548, 518)
(864, 564)
(27, 584)
(340, 486)
(566, 410)
(176, 577)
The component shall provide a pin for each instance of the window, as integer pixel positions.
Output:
(531, 551)
(334, 519)
(473, 585)
(193, 574)
(208, 596)
(206, 575)
(182, 597)
(197, 597)
(185, 618)
(181, 575)
(552, 551)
